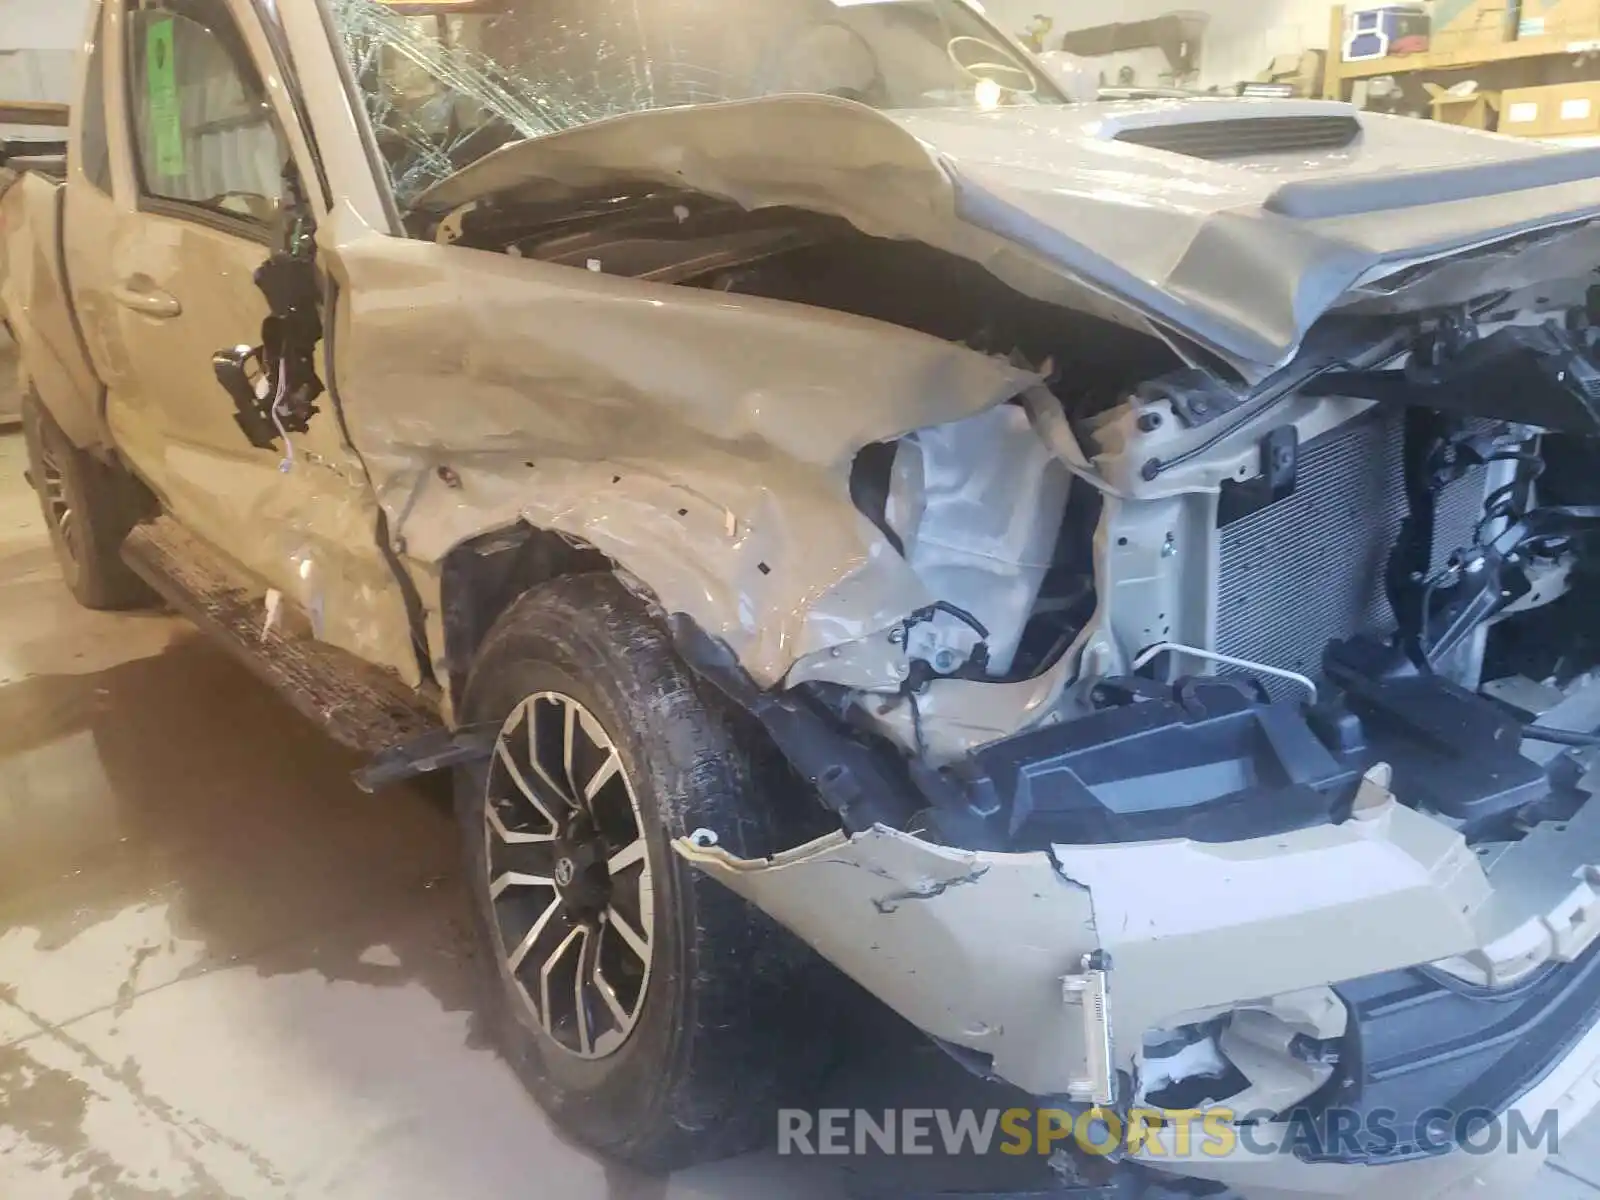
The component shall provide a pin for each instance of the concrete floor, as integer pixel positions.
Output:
(225, 972)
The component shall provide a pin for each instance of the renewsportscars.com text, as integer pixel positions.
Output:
(1213, 1132)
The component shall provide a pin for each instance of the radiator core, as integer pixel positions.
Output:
(1310, 568)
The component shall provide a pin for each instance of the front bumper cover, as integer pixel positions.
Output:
(986, 951)
(974, 947)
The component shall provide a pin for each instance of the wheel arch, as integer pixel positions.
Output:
(485, 575)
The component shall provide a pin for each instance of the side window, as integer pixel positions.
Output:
(203, 129)
(95, 148)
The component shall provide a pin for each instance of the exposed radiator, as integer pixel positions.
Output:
(1310, 569)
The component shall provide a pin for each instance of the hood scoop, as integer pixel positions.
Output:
(1247, 137)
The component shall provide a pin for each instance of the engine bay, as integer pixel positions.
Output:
(1404, 591)
(1371, 585)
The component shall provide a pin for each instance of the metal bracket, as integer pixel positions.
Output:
(1280, 468)
(1197, 397)
(1088, 991)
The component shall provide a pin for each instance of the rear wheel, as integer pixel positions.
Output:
(653, 1014)
(88, 509)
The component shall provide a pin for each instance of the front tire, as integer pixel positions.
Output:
(607, 752)
(89, 510)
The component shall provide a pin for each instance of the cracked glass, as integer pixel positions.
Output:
(446, 88)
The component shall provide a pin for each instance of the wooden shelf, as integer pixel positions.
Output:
(32, 112)
(1465, 58)
(1470, 56)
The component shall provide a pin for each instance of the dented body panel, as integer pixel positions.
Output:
(701, 442)
(1241, 257)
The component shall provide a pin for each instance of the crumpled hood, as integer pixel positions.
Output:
(1240, 254)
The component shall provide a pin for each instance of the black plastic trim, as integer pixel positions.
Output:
(1246, 136)
(1420, 1046)
(1242, 768)
(178, 210)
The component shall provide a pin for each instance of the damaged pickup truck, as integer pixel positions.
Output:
(1118, 580)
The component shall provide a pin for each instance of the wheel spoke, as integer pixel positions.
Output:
(563, 792)
(545, 972)
(608, 994)
(511, 879)
(634, 852)
(512, 837)
(608, 771)
(514, 959)
(588, 961)
(569, 737)
(630, 936)
(523, 785)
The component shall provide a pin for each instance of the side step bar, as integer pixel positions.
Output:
(359, 705)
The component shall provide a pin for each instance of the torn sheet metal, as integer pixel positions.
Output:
(702, 441)
(1051, 201)
(974, 947)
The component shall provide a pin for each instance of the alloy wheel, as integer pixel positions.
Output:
(53, 487)
(569, 875)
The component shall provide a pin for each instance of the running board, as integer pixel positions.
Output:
(359, 705)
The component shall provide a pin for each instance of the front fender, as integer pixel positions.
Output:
(700, 440)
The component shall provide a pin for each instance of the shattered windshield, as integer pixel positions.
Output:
(447, 87)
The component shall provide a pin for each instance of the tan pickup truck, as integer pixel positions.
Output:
(1116, 579)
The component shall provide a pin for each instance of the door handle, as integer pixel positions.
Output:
(142, 296)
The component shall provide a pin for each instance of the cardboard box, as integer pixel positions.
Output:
(1575, 111)
(1302, 72)
(1469, 24)
(1471, 110)
(1568, 20)
(1523, 111)
(1561, 110)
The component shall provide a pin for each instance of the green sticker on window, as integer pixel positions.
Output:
(166, 109)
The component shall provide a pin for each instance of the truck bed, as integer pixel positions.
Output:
(35, 302)
(33, 137)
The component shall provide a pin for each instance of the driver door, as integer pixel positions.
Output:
(192, 225)
(198, 212)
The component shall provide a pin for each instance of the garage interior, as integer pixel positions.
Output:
(228, 972)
